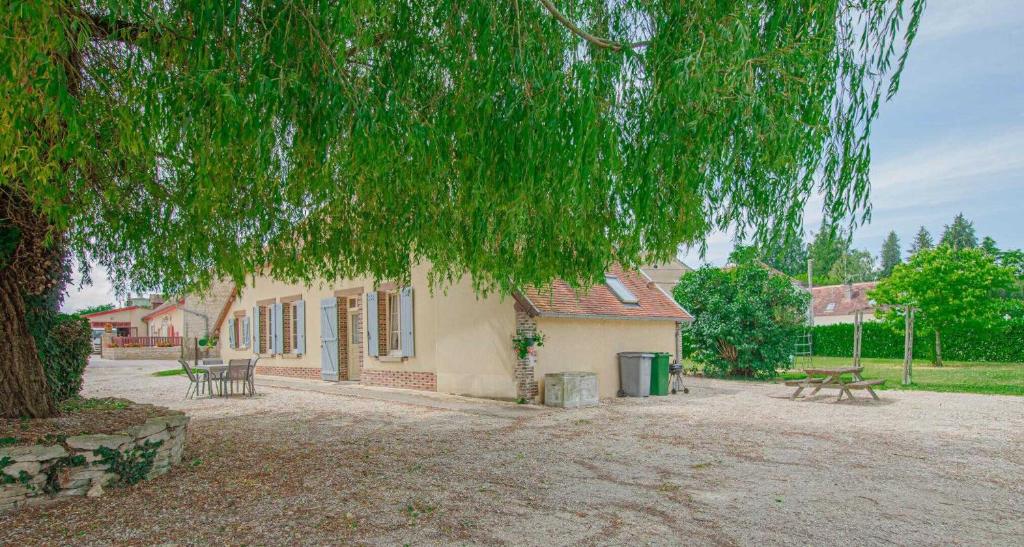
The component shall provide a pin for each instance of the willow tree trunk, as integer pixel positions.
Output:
(23, 389)
(938, 349)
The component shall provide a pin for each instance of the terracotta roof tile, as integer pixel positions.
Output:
(562, 300)
(841, 302)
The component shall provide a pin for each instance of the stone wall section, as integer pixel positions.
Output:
(289, 372)
(525, 371)
(201, 311)
(341, 307)
(168, 353)
(74, 468)
(382, 322)
(404, 379)
(286, 322)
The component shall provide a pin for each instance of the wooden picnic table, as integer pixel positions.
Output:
(819, 378)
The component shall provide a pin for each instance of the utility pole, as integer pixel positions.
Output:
(810, 286)
(908, 343)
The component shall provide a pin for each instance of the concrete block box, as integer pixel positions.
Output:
(570, 389)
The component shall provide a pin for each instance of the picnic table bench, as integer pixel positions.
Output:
(832, 378)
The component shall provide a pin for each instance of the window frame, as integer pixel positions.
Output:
(241, 341)
(393, 323)
(620, 290)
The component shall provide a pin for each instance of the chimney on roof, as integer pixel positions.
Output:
(155, 300)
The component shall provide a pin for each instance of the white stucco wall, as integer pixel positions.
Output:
(592, 345)
(462, 339)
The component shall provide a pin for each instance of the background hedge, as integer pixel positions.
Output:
(880, 341)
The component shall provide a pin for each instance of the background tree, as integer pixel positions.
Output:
(745, 319)
(989, 246)
(94, 309)
(184, 141)
(960, 234)
(951, 289)
(891, 255)
(854, 266)
(1013, 259)
(826, 249)
(788, 256)
(922, 241)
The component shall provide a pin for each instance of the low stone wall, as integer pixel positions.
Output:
(83, 465)
(168, 353)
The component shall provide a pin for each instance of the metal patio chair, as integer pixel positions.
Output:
(197, 381)
(237, 375)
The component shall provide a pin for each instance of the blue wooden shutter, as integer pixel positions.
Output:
(405, 322)
(245, 332)
(300, 327)
(270, 328)
(372, 324)
(329, 339)
(232, 341)
(278, 328)
(256, 329)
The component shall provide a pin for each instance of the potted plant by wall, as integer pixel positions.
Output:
(525, 340)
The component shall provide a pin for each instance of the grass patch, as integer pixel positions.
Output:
(953, 377)
(170, 372)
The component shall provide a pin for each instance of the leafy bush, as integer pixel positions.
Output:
(64, 350)
(1003, 343)
(63, 341)
(745, 319)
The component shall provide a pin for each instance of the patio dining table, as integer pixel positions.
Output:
(213, 371)
(819, 378)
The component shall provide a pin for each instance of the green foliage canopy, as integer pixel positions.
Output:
(950, 288)
(745, 319)
(177, 142)
(922, 241)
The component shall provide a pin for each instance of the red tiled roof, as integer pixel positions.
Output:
(843, 304)
(115, 310)
(600, 302)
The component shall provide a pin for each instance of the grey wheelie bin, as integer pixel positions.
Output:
(635, 373)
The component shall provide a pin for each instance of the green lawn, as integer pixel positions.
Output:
(170, 372)
(989, 378)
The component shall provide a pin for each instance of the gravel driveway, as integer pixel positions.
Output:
(730, 463)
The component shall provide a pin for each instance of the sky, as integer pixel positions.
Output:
(952, 140)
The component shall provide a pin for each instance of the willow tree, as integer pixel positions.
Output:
(180, 141)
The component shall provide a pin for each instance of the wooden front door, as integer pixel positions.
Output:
(355, 340)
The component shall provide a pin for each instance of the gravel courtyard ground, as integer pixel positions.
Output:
(730, 463)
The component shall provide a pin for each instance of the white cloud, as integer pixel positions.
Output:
(947, 18)
(929, 174)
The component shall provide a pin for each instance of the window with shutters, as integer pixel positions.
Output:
(240, 328)
(389, 324)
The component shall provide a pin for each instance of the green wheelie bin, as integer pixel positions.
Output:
(659, 374)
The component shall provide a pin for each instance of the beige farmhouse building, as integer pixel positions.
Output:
(452, 340)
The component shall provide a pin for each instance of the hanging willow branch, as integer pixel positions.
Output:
(596, 40)
(182, 141)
